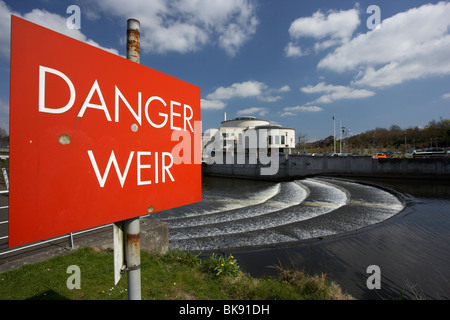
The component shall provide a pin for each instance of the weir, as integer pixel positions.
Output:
(301, 209)
(291, 167)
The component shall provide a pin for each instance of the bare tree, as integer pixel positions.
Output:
(301, 141)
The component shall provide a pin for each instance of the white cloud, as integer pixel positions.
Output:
(293, 111)
(334, 28)
(446, 95)
(253, 111)
(293, 50)
(409, 45)
(333, 93)
(285, 88)
(57, 23)
(239, 90)
(5, 26)
(44, 18)
(188, 25)
(337, 24)
(287, 114)
(303, 109)
(212, 104)
(269, 98)
(248, 89)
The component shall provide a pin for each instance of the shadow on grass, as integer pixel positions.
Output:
(48, 295)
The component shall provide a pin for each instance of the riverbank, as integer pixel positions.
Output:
(176, 275)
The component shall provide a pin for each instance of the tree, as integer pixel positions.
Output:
(301, 140)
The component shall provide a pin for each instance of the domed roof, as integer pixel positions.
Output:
(244, 122)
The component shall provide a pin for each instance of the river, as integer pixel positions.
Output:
(327, 225)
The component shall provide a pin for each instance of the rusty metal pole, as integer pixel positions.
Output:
(132, 226)
(133, 40)
(133, 257)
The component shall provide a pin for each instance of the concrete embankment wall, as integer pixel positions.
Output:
(296, 166)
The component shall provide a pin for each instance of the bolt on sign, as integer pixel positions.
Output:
(95, 138)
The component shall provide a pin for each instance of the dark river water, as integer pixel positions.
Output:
(325, 225)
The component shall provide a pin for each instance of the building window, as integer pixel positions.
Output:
(282, 140)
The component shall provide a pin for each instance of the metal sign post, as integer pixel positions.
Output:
(132, 226)
(127, 233)
(133, 257)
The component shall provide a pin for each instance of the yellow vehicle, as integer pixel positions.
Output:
(379, 156)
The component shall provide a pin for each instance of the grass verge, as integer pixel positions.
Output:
(176, 275)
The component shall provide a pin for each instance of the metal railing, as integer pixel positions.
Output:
(6, 181)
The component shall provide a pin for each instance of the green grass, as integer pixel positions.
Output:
(174, 275)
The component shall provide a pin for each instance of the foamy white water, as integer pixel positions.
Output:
(282, 212)
(289, 194)
(224, 203)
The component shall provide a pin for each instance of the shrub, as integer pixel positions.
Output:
(222, 265)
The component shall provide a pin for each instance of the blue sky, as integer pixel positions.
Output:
(296, 63)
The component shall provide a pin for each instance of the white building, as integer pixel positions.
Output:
(249, 135)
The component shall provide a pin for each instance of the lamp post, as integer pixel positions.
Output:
(334, 134)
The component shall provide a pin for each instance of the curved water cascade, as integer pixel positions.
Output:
(278, 213)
